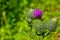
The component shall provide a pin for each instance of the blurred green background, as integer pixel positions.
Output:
(13, 24)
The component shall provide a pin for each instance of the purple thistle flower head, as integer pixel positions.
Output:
(37, 13)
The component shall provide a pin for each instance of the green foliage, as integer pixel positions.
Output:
(13, 23)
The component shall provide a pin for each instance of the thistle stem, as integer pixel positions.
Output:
(4, 17)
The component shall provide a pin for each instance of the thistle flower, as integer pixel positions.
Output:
(37, 13)
(33, 13)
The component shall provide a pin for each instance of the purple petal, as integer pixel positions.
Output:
(37, 13)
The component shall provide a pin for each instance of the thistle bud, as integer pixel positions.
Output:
(30, 13)
(52, 24)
